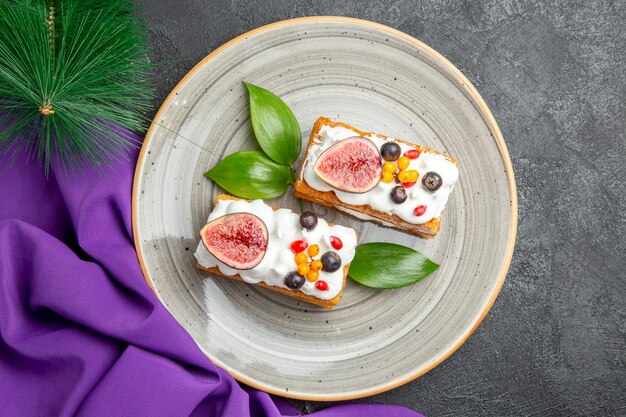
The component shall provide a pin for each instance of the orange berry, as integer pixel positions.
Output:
(403, 162)
(387, 177)
(413, 175)
(303, 269)
(314, 250)
(301, 258)
(316, 265)
(312, 275)
(389, 167)
(403, 176)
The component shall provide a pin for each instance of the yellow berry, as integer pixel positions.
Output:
(313, 250)
(387, 177)
(301, 258)
(316, 265)
(413, 175)
(403, 162)
(389, 167)
(312, 275)
(303, 269)
(403, 176)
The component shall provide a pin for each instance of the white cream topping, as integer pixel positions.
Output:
(379, 197)
(283, 227)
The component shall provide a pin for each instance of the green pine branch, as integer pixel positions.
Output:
(71, 71)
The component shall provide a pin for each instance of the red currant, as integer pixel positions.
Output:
(298, 246)
(336, 242)
(419, 210)
(412, 154)
(408, 184)
(321, 285)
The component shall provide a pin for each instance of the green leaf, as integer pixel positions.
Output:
(387, 265)
(275, 127)
(251, 175)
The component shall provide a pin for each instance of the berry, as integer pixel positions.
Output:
(336, 242)
(293, 281)
(408, 184)
(387, 177)
(298, 246)
(412, 154)
(432, 181)
(316, 265)
(321, 285)
(389, 167)
(330, 261)
(419, 210)
(312, 275)
(403, 162)
(390, 151)
(303, 269)
(301, 258)
(398, 194)
(308, 220)
(413, 175)
(403, 176)
(314, 250)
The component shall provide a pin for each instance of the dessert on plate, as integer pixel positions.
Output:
(301, 256)
(374, 177)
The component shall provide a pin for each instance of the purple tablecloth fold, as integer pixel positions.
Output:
(81, 333)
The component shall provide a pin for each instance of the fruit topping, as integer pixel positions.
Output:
(432, 181)
(408, 184)
(298, 246)
(403, 162)
(352, 165)
(308, 220)
(419, 210)
(387, 177)
(330, 261)
(321, 285)
(303, 269)
(390, 151)
(408, 175)
(313, 275)
(316, 265)
(301, 258)
(403, 176)
(238, 240)
(398, 194)
(336, 242)
(293, 281)
(389, 167)
(314, 250)
(412, 154)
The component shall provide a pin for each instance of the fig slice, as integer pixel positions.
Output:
(238, 240)
(352, 165)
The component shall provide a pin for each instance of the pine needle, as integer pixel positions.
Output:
(71, 72)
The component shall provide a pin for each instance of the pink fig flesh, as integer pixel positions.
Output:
(238, 240)
(352, 165)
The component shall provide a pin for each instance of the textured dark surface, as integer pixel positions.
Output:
(554, 75)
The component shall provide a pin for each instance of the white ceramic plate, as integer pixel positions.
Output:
(377, 79)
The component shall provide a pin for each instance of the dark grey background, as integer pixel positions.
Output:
(554, 75)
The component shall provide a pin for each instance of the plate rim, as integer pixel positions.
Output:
(465, 84)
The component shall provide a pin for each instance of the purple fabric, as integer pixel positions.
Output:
(81, 333)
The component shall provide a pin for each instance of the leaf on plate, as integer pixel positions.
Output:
(251, 175)
(387, 265)
(275, 127)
